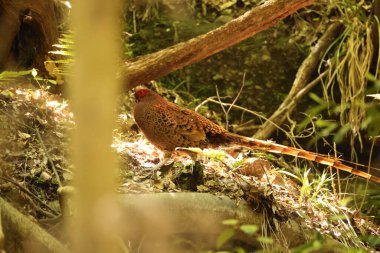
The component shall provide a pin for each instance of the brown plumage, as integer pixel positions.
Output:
(168, 126)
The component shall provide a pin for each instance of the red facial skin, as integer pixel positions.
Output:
(140, 93)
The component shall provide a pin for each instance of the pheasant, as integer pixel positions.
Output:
(168, 126)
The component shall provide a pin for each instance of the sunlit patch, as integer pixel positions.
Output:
(53, 103)
(37, 94)
(147, 155)
(67, 4)
(139, 150)
(57, 107)
(123, 116)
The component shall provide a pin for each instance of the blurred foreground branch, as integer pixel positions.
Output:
(23, 235)
(93, 90)
(158, 217)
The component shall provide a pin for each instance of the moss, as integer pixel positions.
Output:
(190, 177)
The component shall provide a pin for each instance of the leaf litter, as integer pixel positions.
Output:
(35, 126)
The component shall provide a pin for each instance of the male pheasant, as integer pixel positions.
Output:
(168, 126)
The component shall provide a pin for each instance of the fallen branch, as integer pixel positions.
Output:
(149, 67)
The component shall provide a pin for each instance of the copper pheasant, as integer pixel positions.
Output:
(168, 126)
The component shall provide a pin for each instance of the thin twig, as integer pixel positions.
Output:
(368, 170)
(236, 98)
(226, 112)
(282, 110)
(222, 106)
(246, 110)
(331, 173)
(286, 108)
(22, 188)
(48, 157)
(203, 103)
(39, 209)
(42, 144)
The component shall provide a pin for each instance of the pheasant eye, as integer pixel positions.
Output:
(141, 93)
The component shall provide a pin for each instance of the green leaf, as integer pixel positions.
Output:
(240, 250)
(329, 129)
(317, 99)
(68, 35)
(265, 240)
(52, 81)
(338, 217)
(224, 237)
(63, 61)
(313, 246)
(372, 78)
(323, 123)
(66, 41)
(63, 46)
(61, 52)
(7, 93)
(218, 154)
(339, 136)
(373, 240)
(230, 222)
(194, 150)
(249, 229)
(12, 74)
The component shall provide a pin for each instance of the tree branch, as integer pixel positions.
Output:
(300, 82)
(152, 66)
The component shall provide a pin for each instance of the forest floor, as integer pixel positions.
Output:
(35, 128)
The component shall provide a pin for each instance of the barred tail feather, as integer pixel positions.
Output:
(295, 152)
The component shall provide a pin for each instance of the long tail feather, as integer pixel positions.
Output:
(295, 152)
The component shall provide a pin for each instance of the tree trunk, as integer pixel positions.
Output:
(28, 28)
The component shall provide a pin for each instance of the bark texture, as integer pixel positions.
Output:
(149, 67)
